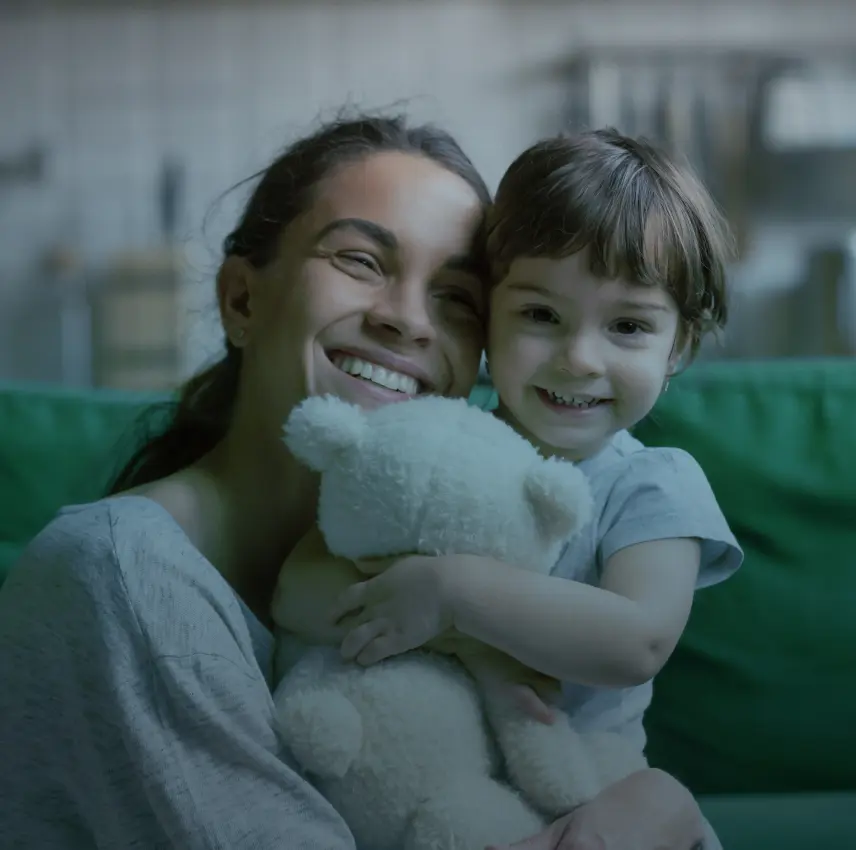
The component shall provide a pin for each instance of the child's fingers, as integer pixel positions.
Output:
(349, 602)
(380, 648)
(548, 688)
(360, 637)
(532, 705)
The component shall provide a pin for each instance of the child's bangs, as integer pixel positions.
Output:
(647, 242)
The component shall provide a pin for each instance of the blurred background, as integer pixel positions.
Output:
(122, 122)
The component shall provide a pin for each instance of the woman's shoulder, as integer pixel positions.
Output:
(123, 562)
(84, 538)
(90, 549)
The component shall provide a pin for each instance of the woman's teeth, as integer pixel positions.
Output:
(377, 374)
(572, 401)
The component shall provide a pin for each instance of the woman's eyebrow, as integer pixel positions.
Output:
(376, 232)
(468, 263)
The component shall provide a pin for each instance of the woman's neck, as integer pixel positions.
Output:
(245, 511)
(264, 505)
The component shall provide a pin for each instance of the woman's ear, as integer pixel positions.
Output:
(236, 285)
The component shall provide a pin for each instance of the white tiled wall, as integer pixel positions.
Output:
(109, 92)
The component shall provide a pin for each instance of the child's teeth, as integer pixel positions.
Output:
(571, 401)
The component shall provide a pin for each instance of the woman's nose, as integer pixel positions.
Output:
(404, 310)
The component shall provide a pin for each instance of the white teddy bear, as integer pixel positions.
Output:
(406, 750)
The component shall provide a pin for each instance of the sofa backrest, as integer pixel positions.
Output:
(58, 447)
(761, 693)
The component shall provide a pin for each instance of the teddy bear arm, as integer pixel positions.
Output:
(552, 765)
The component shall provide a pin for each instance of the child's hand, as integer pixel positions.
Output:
(505, 679)
(399, 610)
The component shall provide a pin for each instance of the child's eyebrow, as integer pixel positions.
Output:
(625, 304)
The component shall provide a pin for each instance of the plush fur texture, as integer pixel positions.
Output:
(410, 750)
(435, 475)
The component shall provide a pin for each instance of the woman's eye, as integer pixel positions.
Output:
(540, 315)
(358, 258)
(462, 297)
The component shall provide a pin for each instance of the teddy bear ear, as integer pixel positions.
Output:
(323, 427)
(559, 497)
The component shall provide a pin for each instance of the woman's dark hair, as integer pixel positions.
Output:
(200, 417)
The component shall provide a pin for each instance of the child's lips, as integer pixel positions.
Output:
(562, 406)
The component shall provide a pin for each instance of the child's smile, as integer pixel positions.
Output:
(566, 403)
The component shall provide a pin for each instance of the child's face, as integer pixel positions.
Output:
(575, 358)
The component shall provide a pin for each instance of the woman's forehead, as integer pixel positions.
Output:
(407, 195)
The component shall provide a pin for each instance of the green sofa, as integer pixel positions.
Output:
(756, 711)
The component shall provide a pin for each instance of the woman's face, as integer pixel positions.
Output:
(374, 294)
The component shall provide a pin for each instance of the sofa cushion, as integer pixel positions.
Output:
(761, 693)
(57, 447)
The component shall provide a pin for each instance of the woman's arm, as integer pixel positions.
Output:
(649, 810)
(166, 737)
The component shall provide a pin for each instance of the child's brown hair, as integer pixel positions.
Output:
(639, 214)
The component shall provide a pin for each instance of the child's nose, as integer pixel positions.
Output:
(581, 356)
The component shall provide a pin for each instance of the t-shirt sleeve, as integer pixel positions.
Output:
(662, 494)
(118, 735)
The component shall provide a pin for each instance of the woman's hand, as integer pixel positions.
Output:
(648, 810)
(401, 609)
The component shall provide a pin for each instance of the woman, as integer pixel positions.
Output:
(136, 707)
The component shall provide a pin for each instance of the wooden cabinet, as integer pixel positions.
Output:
(137, 323)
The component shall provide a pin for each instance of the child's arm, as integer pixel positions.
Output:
(617, 635)
(662, 534)
(310, 581)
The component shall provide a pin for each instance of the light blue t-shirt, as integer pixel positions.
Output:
(641, 494)
(135, 703)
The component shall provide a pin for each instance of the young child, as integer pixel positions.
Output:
(608, 262)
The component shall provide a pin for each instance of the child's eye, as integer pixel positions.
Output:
(628, 328)
(540, 315)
